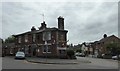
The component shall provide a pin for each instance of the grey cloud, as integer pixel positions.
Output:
(86, 21)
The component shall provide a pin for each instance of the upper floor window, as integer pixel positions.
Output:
(62, 38)
(47, 36)
(26, 38)
(34, 37)
(19, 39)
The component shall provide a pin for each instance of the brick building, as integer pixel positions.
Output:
(100, 47)
(8, 49)
(50, 42)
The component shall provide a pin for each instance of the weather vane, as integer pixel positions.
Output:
(43, 16)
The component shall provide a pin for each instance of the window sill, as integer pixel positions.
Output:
(46, 52)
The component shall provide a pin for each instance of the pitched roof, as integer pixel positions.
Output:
(42, 30)
(107, 38)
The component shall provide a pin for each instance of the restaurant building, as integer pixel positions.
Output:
(50, 42)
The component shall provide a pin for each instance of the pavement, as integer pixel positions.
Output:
(55, 61)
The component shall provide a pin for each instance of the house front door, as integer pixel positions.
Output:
(34, 52)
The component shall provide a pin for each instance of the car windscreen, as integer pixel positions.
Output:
(20, 53)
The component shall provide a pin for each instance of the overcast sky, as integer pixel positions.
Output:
(85, 21)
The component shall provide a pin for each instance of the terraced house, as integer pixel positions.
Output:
(50, 42)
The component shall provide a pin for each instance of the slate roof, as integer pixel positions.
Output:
(42, 30)
(108, 38)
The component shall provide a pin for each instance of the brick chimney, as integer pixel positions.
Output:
(33, 28)
(43, 25)
(60, 23)
(105, 35)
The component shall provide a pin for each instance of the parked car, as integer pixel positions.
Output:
(106, 56)
(20, 55)
(115, 57)
(80, 54)
(100, 56)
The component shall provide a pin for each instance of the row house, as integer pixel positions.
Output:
(50, 42)
(87, 49)
(8, 49)
(100, 47)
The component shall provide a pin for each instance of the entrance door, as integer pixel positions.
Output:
(34, 52)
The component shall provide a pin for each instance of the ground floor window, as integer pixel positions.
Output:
(62, 51)
(38, 50)
(26, 50)
(46, 49)
(11, 50)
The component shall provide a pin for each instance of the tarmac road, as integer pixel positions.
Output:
(11, 63)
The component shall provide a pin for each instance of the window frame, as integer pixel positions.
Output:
(33, 37)
(47, 35)
(48, 50)
(19, 39)
(26, 38)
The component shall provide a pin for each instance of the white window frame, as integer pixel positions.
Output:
(62, 37)
(61, 51)
(49, 35)
(34, 37)
(19, 39)
(44, 47)
(26, 38)
(46, 35)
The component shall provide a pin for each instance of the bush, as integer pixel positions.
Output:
(79, 50)
(71, 54)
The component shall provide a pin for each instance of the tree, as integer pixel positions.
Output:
(70, 54)
(114, 48)
(79, 50)
(10, 39)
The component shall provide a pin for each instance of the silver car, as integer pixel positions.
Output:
(115, 57)
(20, 55)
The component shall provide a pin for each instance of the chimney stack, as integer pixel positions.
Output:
(33, 28)
(43, 25)
(60, 23)
(104, 35)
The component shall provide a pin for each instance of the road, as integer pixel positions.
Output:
(11, 63)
